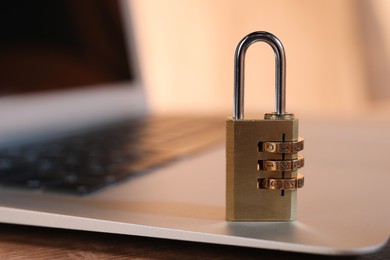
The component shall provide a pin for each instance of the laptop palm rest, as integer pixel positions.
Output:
(339, 211)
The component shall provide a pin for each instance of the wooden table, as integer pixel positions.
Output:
(21, 242)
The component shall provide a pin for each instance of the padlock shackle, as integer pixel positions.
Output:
(280, 71)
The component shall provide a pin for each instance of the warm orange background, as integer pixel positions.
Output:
(337, 54)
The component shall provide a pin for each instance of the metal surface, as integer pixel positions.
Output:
(245, 199)
(281, 165)
(262, 155)
(282, 184)
(186, 200)
(282, 147)
(280, 69)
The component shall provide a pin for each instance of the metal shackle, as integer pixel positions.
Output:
(280, 71)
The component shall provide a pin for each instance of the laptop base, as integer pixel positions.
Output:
(177, 203)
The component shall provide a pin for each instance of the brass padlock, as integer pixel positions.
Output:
(262, 159)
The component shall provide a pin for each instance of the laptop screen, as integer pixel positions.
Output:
(49, 45)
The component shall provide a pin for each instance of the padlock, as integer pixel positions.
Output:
(262, 159)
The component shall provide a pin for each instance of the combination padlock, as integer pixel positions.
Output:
(262, 159)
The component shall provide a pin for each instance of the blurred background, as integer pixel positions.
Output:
(337, 51)
(337, 54)
(47, 45)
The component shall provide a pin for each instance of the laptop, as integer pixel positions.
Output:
(176, 190)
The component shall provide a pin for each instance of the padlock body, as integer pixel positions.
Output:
(245, 201)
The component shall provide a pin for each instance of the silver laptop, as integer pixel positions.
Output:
(177, 190)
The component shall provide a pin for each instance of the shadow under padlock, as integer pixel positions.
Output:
(262, 159)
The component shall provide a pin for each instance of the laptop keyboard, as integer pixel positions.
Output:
(87, 161)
